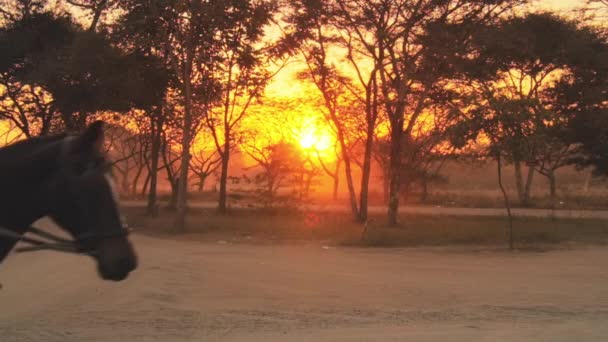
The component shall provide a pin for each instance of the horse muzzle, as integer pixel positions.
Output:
(116, 259)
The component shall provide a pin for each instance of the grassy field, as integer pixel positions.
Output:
(597, 200)
(462, 198)
(267, 226)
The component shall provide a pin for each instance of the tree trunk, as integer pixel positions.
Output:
(144, 188)
(552, 188)
(172, 205)
(156, 125)
(46, 127)
(125, 179)
(335, 188)
(395, 172)
(336, 178)
(365, 175)
(587, 183)
(300, 185)
(386, 184)
(97, 15)
(424, 194)
(519, 183)
(69, 122)
(405, 191)
(224, 177)
(506, 199)
(552, 192)
(201, 184)
(270, 190)
(309, 178)
(351, 186)
(528, 187)
(182, 193)
(348, 174)
(140, 169)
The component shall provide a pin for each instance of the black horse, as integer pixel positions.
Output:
(66, 178)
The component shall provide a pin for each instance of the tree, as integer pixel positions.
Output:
(205, 159)
(204, 164)
(9, 133)
(53, 61)
(170, 154)
(279, 164)
(240, 73)
(598, 7)
(128, 150)
(139, 29)
(527, 61)
(313, 32)
(14, 10)
(183, 33)
(580, 97)
(556, 155)
(49, 51)
(189, 33)
(333, 173)
(29, 108)
(600, 2)
(95, 9)
(407, 68)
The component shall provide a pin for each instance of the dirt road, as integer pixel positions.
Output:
(187, 291)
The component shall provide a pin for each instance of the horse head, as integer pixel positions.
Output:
(83, 201)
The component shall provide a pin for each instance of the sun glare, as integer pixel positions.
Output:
(308, 141)
(312, 139)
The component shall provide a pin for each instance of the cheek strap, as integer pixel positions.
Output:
(44, 240)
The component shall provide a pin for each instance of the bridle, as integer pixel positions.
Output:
(44, 240)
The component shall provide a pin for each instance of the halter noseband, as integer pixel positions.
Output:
(44, 240)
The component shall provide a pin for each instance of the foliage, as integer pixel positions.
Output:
(519, 80)
(284, 175)
(45, 50)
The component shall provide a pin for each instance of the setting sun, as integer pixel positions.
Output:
(308, 141)
(313, 140)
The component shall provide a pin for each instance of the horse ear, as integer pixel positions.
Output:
(92, 138)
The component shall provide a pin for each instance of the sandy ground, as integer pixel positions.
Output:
(190, 291)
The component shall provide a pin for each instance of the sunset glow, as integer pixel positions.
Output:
(313, 138)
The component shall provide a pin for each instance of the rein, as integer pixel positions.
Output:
(44, 240)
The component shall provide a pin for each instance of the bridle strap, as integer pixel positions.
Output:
(53, 242)
(48, 235)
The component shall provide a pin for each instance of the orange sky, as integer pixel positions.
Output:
(285, 85)
(306, 129)
(561, 4)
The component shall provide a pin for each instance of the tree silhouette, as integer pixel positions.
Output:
(530, 65)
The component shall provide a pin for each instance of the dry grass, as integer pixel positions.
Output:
(464, 198)
(493, 199)
(267, 226)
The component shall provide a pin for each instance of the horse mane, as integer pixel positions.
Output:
(17, 148)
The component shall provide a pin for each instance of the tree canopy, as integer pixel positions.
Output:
(82, 70)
